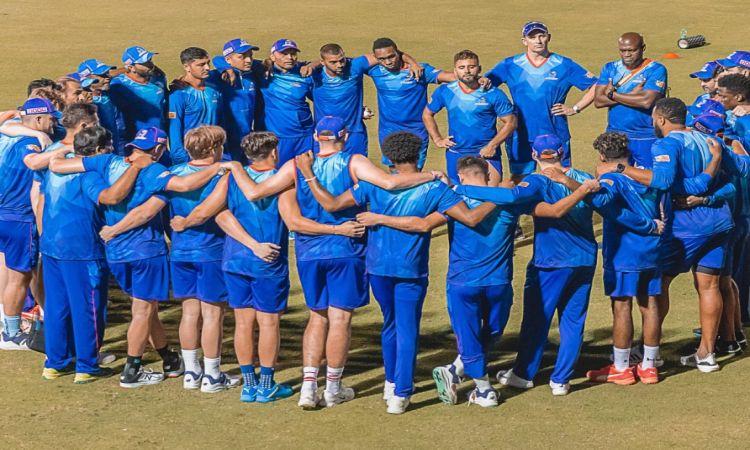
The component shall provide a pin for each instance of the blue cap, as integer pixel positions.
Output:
(707, 106)
(545, 143)
(709, 124)
(333, 125)
(74, 76)
(238, 46)
(707, 71)
(35, 106)
(136, 55)
(736, 59)
(284, 44)
(92, 67)
(148, 138)
(534, 26)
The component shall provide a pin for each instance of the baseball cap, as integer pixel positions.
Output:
(545, 143)
(136, 55)
(331, 124)
(533, 26)
(238, 46)
(148, 138)
(35, 106)
(92, 67)
(707, 71)
(736, 59)
(284, 44)
(707, 106)
(709, 124)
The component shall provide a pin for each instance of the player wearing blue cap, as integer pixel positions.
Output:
(75, 272)
(736, 62)
(708, 76)
(95, 79)
(140, 93)
(194, 105)
(629, 88)
(402, 96)
(473, 114)
(18, 234)
(539, 82)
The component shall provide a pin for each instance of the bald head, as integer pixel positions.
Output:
(631, 48)
(632, 38)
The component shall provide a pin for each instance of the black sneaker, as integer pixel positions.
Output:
(173, 365)
(132, 378)
(739, 336)
(724, 348)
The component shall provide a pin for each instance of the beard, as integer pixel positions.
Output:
(657, 131)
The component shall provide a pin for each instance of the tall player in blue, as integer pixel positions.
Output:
(95, 79)
(473, 114)
(629, 88)
(539, 82)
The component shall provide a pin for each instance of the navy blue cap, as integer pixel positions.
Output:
(707, 106)
(148, 138)
(284, 44)
(739, 58)
(333, 125)
(533, 26)
(238, 46)
(136, 55)
(546, 143)
(707, 71)
(36, 106)
(709, 124)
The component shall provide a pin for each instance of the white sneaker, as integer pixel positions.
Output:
(192, 380)
(559, 388)
(397, 405)
(486, 399)
(344, 394)
(508, 378)
(212, 385)
(308, 399)
(106, 358)
(446, 383)
(388, 390)
(705, 365)
(18, 342)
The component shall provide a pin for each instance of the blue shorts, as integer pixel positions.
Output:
(338, 282)
(520, 160)
(382, 134)
(201, 280)
(640, 152)
(702, 253)
(19, 242)
(268, 295)
(356, 144)
(145, 279)
(291, 147)
(632, 284)
(452, 157)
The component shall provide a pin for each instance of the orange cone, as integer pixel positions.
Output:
(670, 55)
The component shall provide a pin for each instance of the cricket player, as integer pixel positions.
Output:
(95, 79)
(708, 76)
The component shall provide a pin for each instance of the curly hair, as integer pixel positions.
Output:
(737, 84)
(612, 145)
(402, 147)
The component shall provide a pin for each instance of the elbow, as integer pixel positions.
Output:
(599, 102)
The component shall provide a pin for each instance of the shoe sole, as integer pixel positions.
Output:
(626, 382)
(270, 399)
(445, 393)
(307, 406)
(174, 374)
(137, 385)
(506, 382)
(649, 380)
(191, 387)
(13, 348)
(708, 369)
(87, 381)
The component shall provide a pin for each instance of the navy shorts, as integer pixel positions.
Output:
(702, 253)
(338, 282)
(19, 242)
(632, 284)
(291, 147)
(264, 294)
(145, 279)
(520, 160)
(452, 157)
(201, 280)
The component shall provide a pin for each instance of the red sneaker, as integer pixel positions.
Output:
(609, 374)
(647, 376)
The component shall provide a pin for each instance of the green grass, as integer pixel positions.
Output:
(688, 409)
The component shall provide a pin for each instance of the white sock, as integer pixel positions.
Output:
(333, 379)
(650, 354)
(309, 379)
(192, 362)
(622, 358)
(483, 384)
(459, 365)
(212, 366)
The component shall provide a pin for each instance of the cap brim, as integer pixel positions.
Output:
(86, 82)
(289, 47)
(543, 30)
(245, 48)
(145, 58)
(702, 75)
(140, 146)
(726, 63)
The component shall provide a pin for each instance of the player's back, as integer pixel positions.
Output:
(143, 105)
(16, 179)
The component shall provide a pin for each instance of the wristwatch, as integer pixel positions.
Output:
(620, 168)
(576, 109)
(611, 95)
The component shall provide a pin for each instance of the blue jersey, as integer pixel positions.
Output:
(396, 253)
(483, 255)
(142, 105)
(472, 114)
(16, 179)
(147, 240)
(401, 98)
(71, 218)
(333, 174)
(202, 243)
(285, 109)
(341, 95)
(634, 122)
(190, 108)
(262, 221)
(39, 175)
(536, 88)
(699, 99)
(112, 119)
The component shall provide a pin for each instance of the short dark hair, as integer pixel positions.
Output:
(76, 113)
(402, 147)
(465, 54)
(41, 83)
(737, 84)
(199, 142)
(331, 49)
(383, 42)
(672, 108)
(474, 164)
(259, 145)
(88, 140)
(190, 54)
(612, 145)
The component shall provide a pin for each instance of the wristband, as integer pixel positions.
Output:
(576, 109)
(307, 180)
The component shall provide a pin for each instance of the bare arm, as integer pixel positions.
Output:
(290, 213)
(266, 251)
(41, 160)
(193, 181)
(638, 99)
(14, 129)
(133, 219)
(212, 205)
(121, 188)
(37, 204)
(470, 216)
(412, 224)
(600, 96)
(563, 206)
(428, 118)
(62, 165)
(272, 185)
(509, 124)
(365, 170)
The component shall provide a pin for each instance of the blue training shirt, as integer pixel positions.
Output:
(286, 111)
(16, 178)
(341, 95)
(142, 105)
(112, 119)
(190, 108)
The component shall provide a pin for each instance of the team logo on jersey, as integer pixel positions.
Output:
(551, 76)
(523, 184)
(481, 102)
(660, 83)
(609, 182)
(172, 115)
(408, 80)
(661, 158)
(34, 148)
(166, 173)
(590, 75)
(296, 84)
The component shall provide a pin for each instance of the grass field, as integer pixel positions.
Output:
(688, 409)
